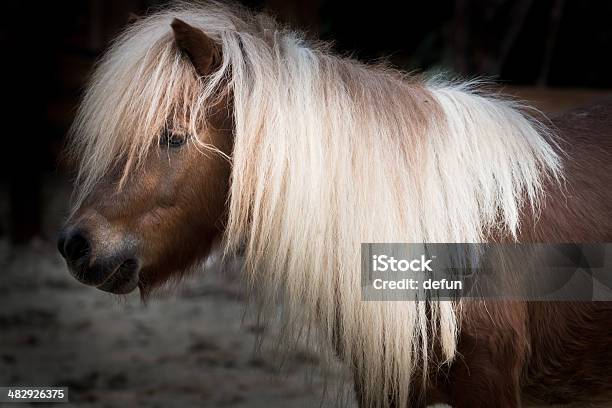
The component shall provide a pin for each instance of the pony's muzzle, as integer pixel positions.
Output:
(97, 260)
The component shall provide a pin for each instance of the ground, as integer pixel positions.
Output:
(193, 346)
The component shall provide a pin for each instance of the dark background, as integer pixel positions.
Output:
(190, 348)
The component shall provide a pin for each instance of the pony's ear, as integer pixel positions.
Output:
(203, 52)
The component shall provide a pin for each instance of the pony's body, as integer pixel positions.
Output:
(326, 153)
(542, 352)
(571, 342)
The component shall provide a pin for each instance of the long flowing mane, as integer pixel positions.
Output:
(328, 153)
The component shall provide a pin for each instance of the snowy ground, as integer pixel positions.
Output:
(189, 347)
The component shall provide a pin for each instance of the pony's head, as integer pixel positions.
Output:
(152, 140)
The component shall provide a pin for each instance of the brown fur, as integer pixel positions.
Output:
(544, 352)
(167, 217)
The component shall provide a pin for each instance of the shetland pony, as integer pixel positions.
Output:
(210, 123)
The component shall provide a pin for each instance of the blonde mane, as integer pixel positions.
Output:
(328, 153)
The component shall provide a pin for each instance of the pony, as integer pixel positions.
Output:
(210, 126)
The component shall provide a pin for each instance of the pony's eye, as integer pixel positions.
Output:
(171, 139)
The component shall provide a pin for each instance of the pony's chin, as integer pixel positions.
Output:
(123, 281)
(120, 288)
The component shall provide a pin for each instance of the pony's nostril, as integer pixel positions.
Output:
(75, 247)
